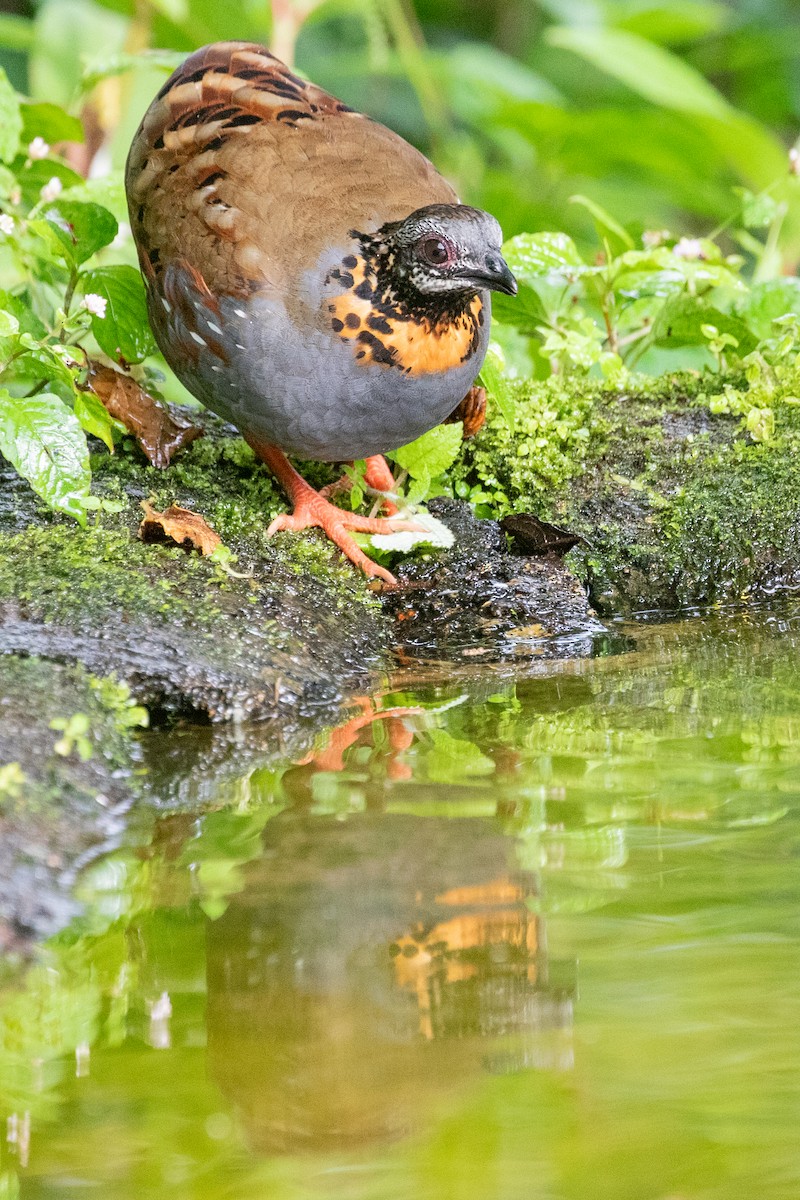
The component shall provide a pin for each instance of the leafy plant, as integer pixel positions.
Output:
(627, 307)
(63, 300)
(620, 108)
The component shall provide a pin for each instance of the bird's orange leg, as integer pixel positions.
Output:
(378, 475)
(309, 508)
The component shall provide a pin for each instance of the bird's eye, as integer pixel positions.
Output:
(437, 251)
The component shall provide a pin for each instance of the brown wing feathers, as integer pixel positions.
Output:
(250, 175)
(187, 171)
(231, 86)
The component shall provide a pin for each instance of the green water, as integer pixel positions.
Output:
(521, 938)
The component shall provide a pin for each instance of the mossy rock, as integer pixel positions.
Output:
(679, 506)
(285, 629)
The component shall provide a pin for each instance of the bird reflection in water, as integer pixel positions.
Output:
(372, 967)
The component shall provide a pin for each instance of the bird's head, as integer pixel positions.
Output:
(449, 248)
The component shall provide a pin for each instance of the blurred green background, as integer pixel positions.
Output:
(654, 110)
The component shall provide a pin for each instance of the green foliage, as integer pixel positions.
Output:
(10, 120)
(78, 736)
(57, 308)
(608, 126)
(123, 331)
(73, 740)
(46, 444)
(614, 310)
(524, 461)
(12, 781)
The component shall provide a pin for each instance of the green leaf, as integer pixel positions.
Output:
(496, 382)
(50, 122)
(119, 63)
(530, 255)
(544, 265)
(9, 325)
(43, 440)
(94, 418)
(16, 33)
(82, 229)
(646, 69)
(33, 178)
(107, 191)
(679, 22)
(432, 453)
(758, 211)
(124, 332)
(10, 119)
(681, 321)
(760, 424)
(419, 488)
(481, 80)
(43, 361)
(608, 230)
(451, 759)
(20, 307)
(766, 302)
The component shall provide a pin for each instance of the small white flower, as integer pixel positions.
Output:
(654, 237)
(794, 161)
(95, 304)
(6, 224)
(51, 190)
(38, 148)
(689, 248)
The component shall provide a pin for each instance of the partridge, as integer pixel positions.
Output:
(310, 276)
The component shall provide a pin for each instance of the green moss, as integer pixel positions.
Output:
(219, 477)
(556, 427)
(64, 573)
(677, 502)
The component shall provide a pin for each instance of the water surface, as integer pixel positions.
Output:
(501, 938)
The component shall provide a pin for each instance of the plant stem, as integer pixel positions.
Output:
(633, 337)
(70, 292)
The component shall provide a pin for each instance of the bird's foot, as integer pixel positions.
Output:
(311, 509)
(471, 412)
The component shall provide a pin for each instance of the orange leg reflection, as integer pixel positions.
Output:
(331, 757)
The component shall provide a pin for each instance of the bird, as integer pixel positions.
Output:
(310, 276)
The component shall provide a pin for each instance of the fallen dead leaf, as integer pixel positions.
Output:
(530, 535)
(179, 525)
(159, 432)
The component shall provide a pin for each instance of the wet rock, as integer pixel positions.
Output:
(678, 505)
(479, 599)
(281, 630)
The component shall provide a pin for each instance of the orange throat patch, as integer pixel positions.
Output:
(382, 331)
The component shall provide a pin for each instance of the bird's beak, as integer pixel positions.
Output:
(494, 274)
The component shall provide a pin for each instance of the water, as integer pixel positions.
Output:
(510, 939)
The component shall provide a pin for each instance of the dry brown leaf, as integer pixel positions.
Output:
(179, 525)
(158, 431)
